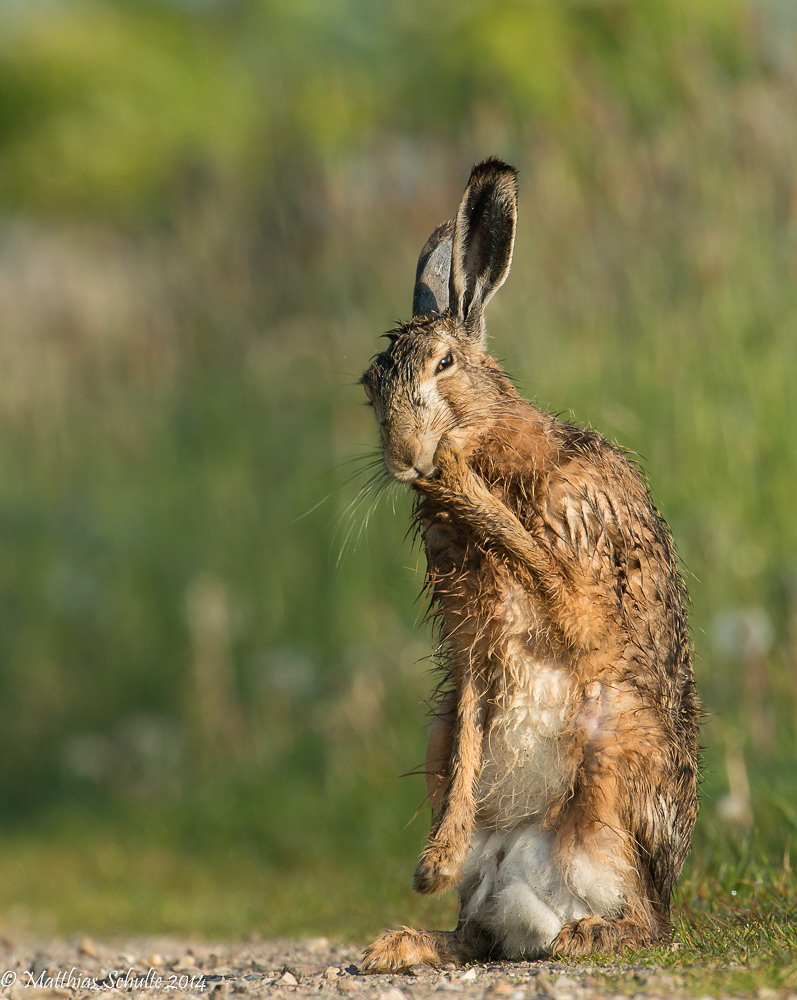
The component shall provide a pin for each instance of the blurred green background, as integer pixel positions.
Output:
(212, 669)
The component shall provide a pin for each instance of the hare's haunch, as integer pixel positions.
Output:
(562, 763)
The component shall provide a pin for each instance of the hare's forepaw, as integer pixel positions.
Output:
(437, 870)
(450, 462)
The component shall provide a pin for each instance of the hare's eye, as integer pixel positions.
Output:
(447, 362)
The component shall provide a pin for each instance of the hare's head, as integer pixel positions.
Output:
(435, 380)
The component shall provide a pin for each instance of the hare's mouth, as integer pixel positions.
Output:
(409, 473)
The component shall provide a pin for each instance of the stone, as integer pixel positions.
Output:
(38, 966)
(86, 946)
(317, 944)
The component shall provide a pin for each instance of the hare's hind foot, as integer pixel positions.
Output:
(397, 950)
(598, 934)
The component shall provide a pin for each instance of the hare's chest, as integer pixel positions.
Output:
(525, 759)
(525, 763)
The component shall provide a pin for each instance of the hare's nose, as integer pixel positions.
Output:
(427, 470)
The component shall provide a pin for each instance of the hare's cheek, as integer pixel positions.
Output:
(427, 402)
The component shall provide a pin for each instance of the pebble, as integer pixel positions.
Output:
(38, 966)
(86, 946)
(288, 979)
(468, 977)
(331, 972)
(155, 960)
(316, 944)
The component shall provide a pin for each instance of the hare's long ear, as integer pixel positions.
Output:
(484, 235)
(434, 272)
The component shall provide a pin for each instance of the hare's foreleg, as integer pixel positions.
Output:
(439, 749)
(453, 757)
(454, 803)
(464, 493)
(490, 520)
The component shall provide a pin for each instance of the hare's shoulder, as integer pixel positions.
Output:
(594, 500)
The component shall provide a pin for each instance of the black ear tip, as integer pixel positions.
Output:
(494, 170)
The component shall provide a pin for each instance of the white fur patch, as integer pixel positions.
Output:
(428, 426)
(511, 887)
(523, 766)
(597, 880)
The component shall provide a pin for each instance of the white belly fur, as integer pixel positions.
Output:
(510, 884)
(510, 887)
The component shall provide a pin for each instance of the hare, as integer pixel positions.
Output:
(562, 760)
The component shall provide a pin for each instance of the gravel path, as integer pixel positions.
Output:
(148, 969)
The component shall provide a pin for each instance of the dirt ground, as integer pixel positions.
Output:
(149, 969)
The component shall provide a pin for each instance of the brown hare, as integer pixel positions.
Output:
(562, 762)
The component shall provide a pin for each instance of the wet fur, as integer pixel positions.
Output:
(562, 764)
